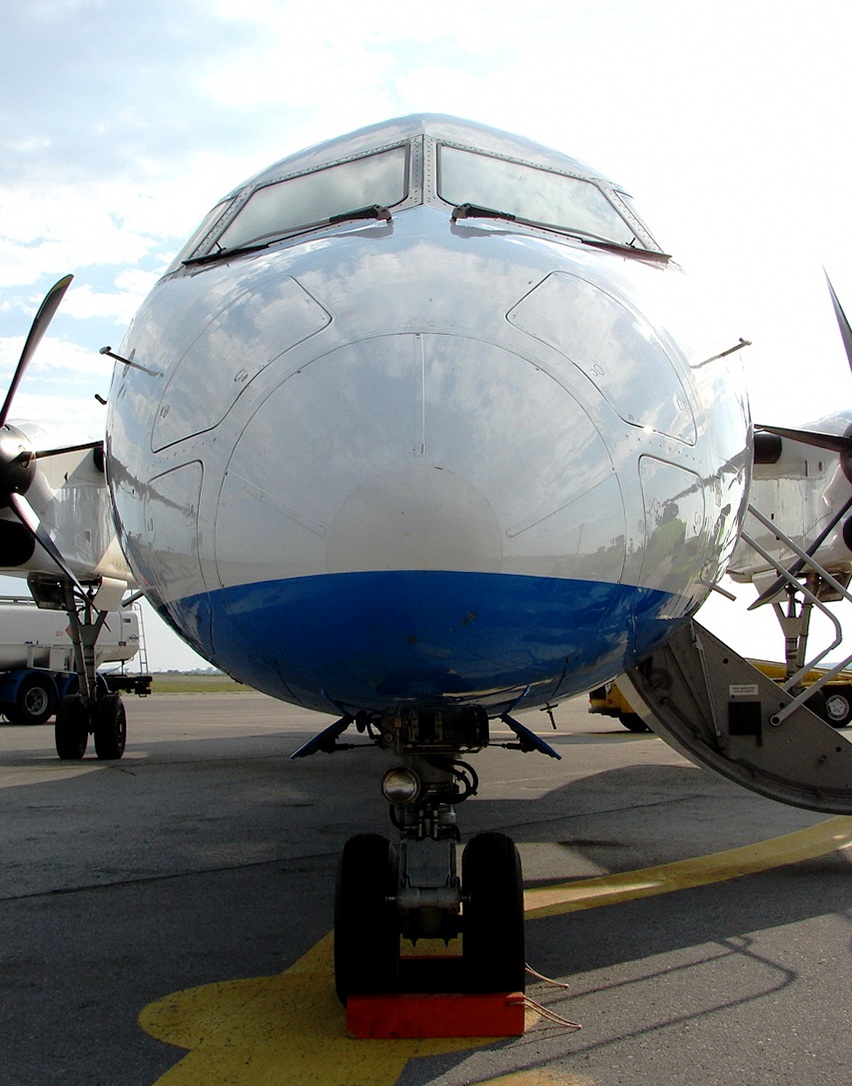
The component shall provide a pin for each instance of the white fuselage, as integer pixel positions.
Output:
(423, 459)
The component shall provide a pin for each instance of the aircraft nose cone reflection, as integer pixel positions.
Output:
(417, 452)
(415, 516)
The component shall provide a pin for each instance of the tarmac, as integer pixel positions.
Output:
(165, 918)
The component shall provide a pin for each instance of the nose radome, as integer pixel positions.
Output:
(415, 516)
(418, 451)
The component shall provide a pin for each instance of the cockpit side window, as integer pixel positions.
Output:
(207, 224)
(535, 195)
(298, 203)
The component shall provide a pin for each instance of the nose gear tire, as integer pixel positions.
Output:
(493, 934)
(366, 934)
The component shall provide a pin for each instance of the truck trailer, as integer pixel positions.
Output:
(37, 666)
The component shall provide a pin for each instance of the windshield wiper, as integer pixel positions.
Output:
(476, 211)
(373, 211)
(622, 247)
(223, 254)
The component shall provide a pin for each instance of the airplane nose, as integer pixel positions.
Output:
(419, 515)
(419, 452)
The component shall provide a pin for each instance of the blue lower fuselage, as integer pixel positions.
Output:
(369, 640)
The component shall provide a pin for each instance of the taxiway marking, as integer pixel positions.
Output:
(831, 836)
(287, 1028)
(251, 1032)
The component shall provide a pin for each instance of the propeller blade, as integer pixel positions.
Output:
(41, 454)
(42, 319)
(32, 522)
(845, 328)
(834, 442)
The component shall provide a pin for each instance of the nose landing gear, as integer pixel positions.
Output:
(391, 895)
(371, 916)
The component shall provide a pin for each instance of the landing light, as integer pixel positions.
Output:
(400, 786)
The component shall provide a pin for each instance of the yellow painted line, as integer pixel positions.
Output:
(825, 837)
(538, 1078)
(290, 1028)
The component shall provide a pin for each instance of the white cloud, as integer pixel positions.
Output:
(58, 360)
(86, 302)
(64, 228)
(63, 419)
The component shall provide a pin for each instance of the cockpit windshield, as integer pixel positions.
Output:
(531, 194)
(300, 202)
(410, 170)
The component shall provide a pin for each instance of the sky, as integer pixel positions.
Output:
(122, 123)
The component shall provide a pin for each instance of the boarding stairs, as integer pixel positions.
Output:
(716, 708)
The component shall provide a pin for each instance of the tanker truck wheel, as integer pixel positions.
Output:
(35, 701)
